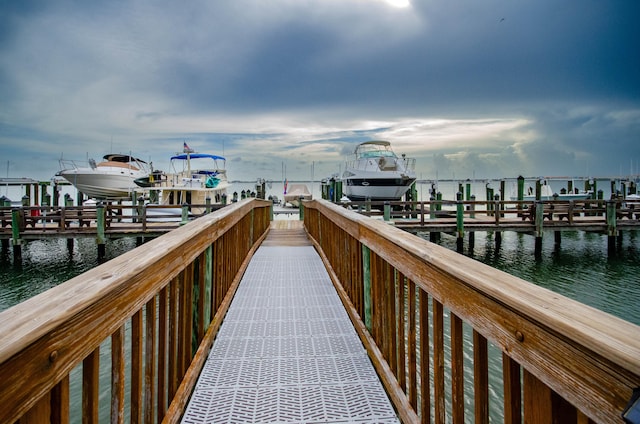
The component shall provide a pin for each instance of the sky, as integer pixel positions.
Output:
(471, 89)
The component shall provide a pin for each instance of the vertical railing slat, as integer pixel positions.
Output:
(425, 385)
(136, 367)
(174, 300)
(512, 390)
(150, 361)
(400, 324)
(60, 402)
(480, 378)
(117, 376)
(411, 316)
(457, 370)
(162, 354)
(91, 387)
(438, 362)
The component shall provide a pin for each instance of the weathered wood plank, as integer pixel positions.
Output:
(91, 387)
(117, 376)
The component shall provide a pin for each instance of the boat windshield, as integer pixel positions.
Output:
(374, 151)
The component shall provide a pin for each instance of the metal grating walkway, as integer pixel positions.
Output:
(287, 351)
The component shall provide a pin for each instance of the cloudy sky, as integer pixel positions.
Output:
(485, 89)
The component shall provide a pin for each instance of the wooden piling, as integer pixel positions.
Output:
(100, 231)
(612, 231)
(16, 220)
(459, 222)
(539, 217)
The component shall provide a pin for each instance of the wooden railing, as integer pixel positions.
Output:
(560, 361)
(153, 311)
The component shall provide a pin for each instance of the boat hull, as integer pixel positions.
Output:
(357, 188)
(102, 185)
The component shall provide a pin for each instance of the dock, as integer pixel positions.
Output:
(338, 317)
(287, 351)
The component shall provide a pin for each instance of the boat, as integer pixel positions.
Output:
(632, 200)
(295, 193)
(546, 193)
(113, 178)
(196, 179)
(377, 173)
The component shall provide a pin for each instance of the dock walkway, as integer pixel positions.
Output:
(286, 350)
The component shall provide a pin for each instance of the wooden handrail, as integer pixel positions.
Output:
(185, 275)
(574, 362)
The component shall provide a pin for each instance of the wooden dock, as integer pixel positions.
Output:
(256, 308)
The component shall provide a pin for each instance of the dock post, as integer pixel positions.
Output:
(367, 204)
(17, 216)
(557, 235)
(502, 197)
(100, 222)
(472, 214)
(185, 214)
(433, 236)
(301, 209)
(366, 276)
(459, 222)
(612, 230)
(387, 210)
(538, 189)
(539, 217)
(208, 203)
(601, 197)
(520, 194)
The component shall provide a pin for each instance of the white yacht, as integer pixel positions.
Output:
(376, 173)
(113, 178)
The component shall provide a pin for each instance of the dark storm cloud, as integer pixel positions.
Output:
(493, 87)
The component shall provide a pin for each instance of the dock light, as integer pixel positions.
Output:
(631, 414)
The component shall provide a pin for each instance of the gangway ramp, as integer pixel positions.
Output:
(286, 351)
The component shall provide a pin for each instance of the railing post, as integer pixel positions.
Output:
(366, 276)
(100, 237)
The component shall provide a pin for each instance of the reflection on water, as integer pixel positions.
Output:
(579, 267)
(47, 263)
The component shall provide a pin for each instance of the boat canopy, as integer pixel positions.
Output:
(196, 156)
(371, 149)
